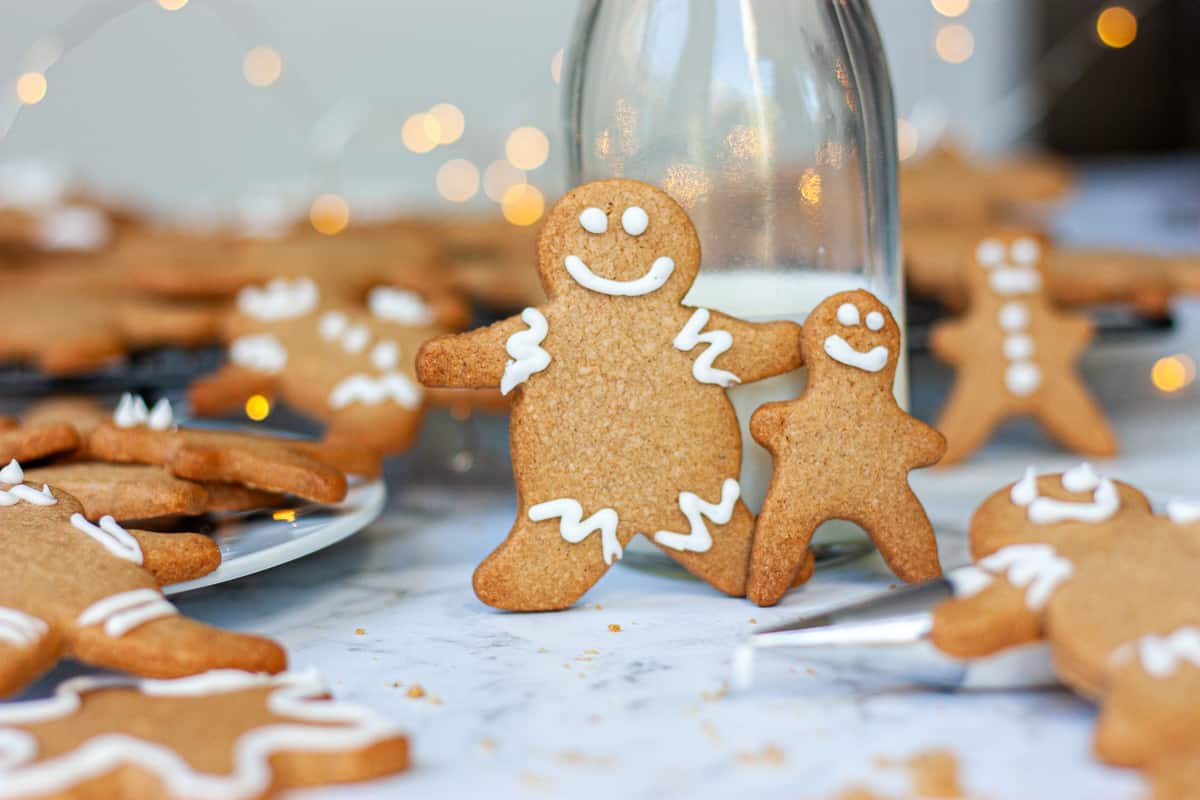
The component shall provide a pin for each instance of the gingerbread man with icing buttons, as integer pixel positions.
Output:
(843, 450)
(1015, 355)
(620, 420)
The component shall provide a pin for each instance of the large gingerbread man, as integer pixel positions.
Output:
(1015, 354)
(620, 421)
(843, 450)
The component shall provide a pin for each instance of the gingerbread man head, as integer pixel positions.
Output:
(618, 238)
(851, 337)
(1008, 265)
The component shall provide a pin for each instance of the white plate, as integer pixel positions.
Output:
(264, 539)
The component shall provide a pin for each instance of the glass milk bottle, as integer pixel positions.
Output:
(772, 123)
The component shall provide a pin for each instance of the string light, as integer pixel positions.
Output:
(458, 180)
(522, 204)
(556, 66)
(262, 66)
(951, 8)
(258, 407)
(954, 43)
(527, 148)
(284, 515)
(416, 133)
(1117, 27)
(810, 187)
(172, 5)
(907, 140)
(329, 214)
(31, 88)
(499, 177)
(449, 121)
(1172, 373)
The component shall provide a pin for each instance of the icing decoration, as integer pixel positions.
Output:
(847, 314)
(1014, 316)
(698, 539)
(1015, 280)
(874, 321)
(574, 528)
(355, 338)
(73, 228)
(399, 305)
(652, 281)
(30, 183)
(262, 352)
(1162, 655)
(969, 581)
(20, 629)
(718, 342)
(131, 411)
(1178, 511)
(524, 347)
(989, 253)
(1036, 568)
(593, 220)
(1025, 491)
(840, 350)
(1018, 347)
(161, 418)
(1080, 479)
(298, 695)
(125, 611)
(374, 389)
(1022, 378)
(20, 491)
(112, 536)
(1025, 250)
(635, 220)
(279, 299)
(385, 355)
(1046, 510)
(12, 473)
(331, 325)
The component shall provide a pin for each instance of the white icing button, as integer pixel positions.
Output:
(1022, 378)
(12, 473)
(385, 355)
(847, 314)
(332, 324)
(1025, 491)
(1013, 316)
(1018, 347)
(1025, 250)
(355, 338)
(593, 220)
(989, 253)
(875, 321)
(635, 220)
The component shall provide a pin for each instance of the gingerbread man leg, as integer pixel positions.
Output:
(28, 647)
(729, 544)
(967, 422)
(552, 556)
(781, 555)
(1075, 420)
(904, 537)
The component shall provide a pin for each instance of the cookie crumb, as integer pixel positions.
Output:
(753, 621)
(720, 693)
(397, 684)
(591, 652)
(543, 650)
(614, 627)
(710, 730)
(810, 671)
(934, 773)
(487, 744)
(770, 756)
(359, 631)
(598, 607)
(532, 780)
(434, 700)
(416, 690)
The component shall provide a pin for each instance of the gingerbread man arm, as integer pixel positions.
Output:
(227, 388)
(1075, 329)
(175, 557)
(759, 349)
(946, 340)
(768, 422)
(926, 444)
(476, 359)
(995, 619)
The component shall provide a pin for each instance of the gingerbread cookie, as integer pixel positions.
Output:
(1081, 561)
(620, 421)
(349, 367)
(30, 442)
(226, 734)
(123, 491)
(843, 450)
(488, 260)
(138, 435)
(69, 587)
(1015, 355)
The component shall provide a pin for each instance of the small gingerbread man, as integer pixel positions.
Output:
(620, 420)
(843, 450)
(1015, 354)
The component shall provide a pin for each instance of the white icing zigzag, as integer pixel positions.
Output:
(112, 536)
(298, 695)
(525, 348)
(718, 342)
(279, 299)
(121, 613)
(373, 389)
(1033, 567)
(694, 507)
(1162, 655)
(20, 629)
(574, 528)
(13, 474)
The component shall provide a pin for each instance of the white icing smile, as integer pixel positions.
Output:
(652, 281)
(840, 350)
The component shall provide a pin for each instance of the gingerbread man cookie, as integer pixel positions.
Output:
(69, 587)
(1015, 355)
(620, 421)
(223, 734)
(843, 450)
(32, 441)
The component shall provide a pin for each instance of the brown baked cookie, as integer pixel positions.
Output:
(81, 413)
(228, 734)
(620, 421)
(69, 587)
(347, 366)
(219, 496)
(272, 464)
(31, 442)
(843, 450)
(123, 491)
(1014, 354)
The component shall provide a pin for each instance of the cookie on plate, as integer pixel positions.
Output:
(32, 442)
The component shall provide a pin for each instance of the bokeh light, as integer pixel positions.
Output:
(810, 187)
(31, 88)
(258, 407)
(172, 5)
(417, 130)
(329, 214)
(1116, 26)
(687, 183)
(458, 180)
(262, 66)
(522, 204)
(449, 121)
(284, 515)
(556, 66)
(954, 43)
(527, 148)
(951, 8)
(907, 140)
(1172, 373)
(499, 177)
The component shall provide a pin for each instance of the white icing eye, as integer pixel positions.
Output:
(1025, 250)
(594, 220)
(635, 220)
(989, 253)
(847, 314)
(874, 320)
